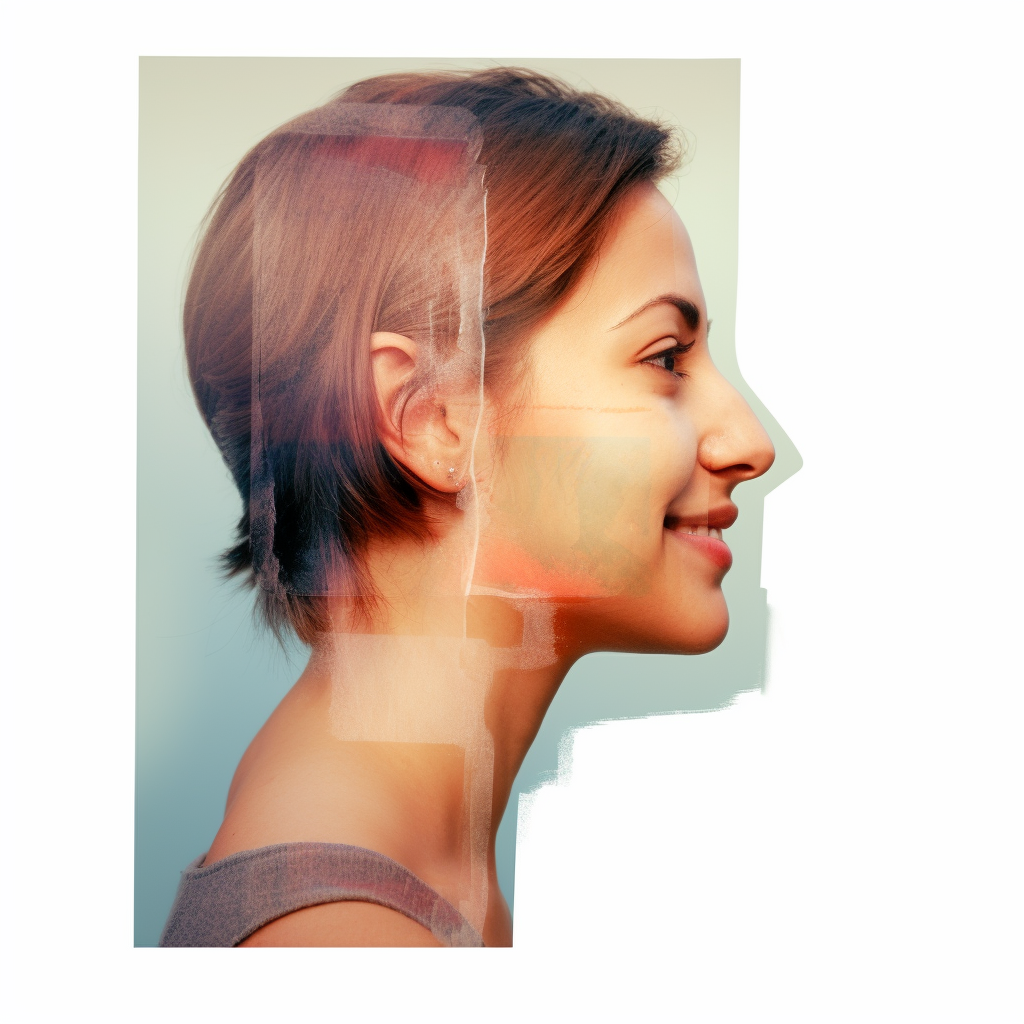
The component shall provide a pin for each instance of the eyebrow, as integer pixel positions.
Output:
(691, 314)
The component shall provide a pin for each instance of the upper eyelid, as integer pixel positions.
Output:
(678, 346)
(677, 349)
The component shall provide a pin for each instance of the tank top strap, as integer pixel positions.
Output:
(224, 903)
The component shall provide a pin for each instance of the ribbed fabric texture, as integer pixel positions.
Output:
(223, 904)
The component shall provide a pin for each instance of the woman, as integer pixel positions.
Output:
(452, 344)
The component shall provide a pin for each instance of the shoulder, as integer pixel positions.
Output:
(347, 923)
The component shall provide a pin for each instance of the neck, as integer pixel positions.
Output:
(439, 672)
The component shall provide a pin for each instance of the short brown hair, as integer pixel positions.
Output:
(558, 161)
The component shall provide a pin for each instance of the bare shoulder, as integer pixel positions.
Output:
(348, 923)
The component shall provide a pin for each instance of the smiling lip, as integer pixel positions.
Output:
(704, 533)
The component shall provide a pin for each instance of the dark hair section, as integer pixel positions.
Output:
(557, 162)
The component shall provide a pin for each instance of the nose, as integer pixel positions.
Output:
(733, 445)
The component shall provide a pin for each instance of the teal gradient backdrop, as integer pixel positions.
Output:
(207, 678)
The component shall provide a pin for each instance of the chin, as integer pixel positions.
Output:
(700, 634)
(647, 627)
(708, 641)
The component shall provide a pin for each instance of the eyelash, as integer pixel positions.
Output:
(676, 350)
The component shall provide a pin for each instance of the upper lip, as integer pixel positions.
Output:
(719, 518)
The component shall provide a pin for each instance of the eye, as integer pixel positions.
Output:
(667, 359)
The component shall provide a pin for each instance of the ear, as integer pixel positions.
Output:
(429, 430)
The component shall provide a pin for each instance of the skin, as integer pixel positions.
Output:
(585, 484)
(657, 445)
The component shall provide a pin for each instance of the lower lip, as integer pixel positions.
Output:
(715, 550)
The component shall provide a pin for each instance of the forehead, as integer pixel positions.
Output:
(646, 253)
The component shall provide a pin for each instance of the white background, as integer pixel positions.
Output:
(858, 826)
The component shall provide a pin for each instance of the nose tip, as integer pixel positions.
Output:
(755, 451)
(763, 455)
(741, 447)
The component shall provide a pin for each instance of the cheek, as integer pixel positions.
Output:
(583, 516)
(674, 455)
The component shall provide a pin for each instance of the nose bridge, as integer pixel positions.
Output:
(731, 436)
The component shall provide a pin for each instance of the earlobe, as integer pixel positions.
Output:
(420, 431)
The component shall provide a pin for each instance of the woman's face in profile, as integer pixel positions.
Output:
(611, 485)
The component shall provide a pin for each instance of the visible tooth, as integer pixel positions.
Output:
(691, 529)
(715, 532)
(702, 531)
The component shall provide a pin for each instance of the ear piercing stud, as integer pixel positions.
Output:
(457, 482)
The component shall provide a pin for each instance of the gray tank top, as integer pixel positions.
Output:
(223, 904)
